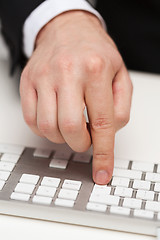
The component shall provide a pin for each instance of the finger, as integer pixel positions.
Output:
(99, 102)
(122, 96)
(47, 114)
(71, 120)
(29, 107)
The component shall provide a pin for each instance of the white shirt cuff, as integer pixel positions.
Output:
(47, 11)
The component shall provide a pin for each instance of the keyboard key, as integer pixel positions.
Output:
(58, 163)
(50, 182)
(72, 184)
(42, 153)
(4, 175)
(24, 188)
(20, 196)
(153, 177)
(82, 157)
(96, 207)
(64, 202)
(29, 178)
(131, 174)
(140, 213)
(143, 166)
(158, 168)
(46, 191)
(8, 148)
(68, 194)
(108, 199)
(123, 192)
(140, 184)
(132, 203)
(42, 200)
(153, 206)
(120, 181)
(6, 166)
(157, 187)
(2, 183)
(146, 195)
(102, 190)
(120, 210)
(8, 157)
(63, 155)
(120, 163)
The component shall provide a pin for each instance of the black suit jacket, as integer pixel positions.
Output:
(134, 25)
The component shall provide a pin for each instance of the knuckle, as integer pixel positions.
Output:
(46, 127)
(101, 157)
(42, 70)
(102, 123)
(123, 118)
(70, 126)
(30, 120)
(95, 64)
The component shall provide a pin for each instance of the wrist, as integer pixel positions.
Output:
(74, 16)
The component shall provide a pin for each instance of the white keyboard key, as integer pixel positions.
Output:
(123, 192)
(82, 157)
(120, 210)
(146, 195)
(132, 203)
(158, 168)
(63, 155)
(20, 196)
(120, 181)
(64, 202)
(2, 183)
(158, 216)
(8, 148)
(24, 188)
(50, 182)
(142, 166)
(29, 178)
(153, 206)
(72, 184)
(46, 191)
(153, 177)
(43, 153)
(108, 199)
(157, 187)
(96, 207)
(120, 163)
(4, 175)
(8, 157)
(140, 213)
(103, 190)
(131, 174)
(58, 163)
(97, 186)
(68, 194)
(42, 200)
(140, 184)
(6, 166)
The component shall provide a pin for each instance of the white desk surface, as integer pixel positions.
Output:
(139, 140)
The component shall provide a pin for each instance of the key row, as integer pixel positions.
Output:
(139, 213)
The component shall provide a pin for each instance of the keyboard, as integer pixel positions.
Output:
(57, 185)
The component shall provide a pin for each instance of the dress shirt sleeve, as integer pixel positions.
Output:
(47, 11)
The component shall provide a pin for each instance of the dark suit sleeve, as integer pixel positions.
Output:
(13, 14)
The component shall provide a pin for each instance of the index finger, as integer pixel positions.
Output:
(99, 101)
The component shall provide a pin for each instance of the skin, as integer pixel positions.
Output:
(76, 64)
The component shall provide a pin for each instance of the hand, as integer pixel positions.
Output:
(76, 64)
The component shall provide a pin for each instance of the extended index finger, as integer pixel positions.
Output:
(99, 101)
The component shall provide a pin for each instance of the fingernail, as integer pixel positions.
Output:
(101, 177)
